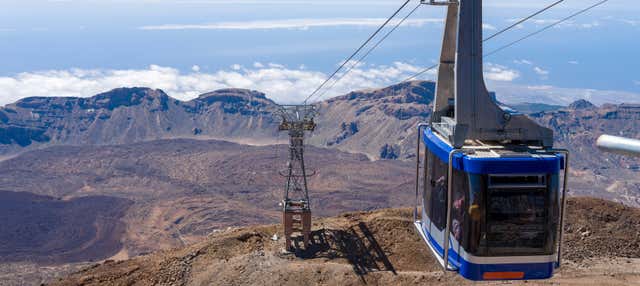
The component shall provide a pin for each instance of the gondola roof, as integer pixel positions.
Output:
(481, 158)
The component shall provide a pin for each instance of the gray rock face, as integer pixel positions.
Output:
(363, 121)
(128, 115)
(389, 152)
(581, 104)
(380, 123)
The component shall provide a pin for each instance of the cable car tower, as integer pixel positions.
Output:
(490, 191)
(296, 120)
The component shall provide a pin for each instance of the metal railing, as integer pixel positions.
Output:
(563, 202)
(421, 127)
(447, 232)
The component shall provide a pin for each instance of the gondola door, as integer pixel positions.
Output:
(435, 200)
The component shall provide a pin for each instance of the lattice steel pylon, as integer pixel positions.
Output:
(296, 120)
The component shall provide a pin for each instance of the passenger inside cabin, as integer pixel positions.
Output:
(440, 189)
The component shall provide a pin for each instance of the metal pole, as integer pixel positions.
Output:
(447, 232)
(564, 199)
(415, 206)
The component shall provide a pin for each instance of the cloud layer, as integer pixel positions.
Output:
(280, 83)
(511, 93)
(500, 73)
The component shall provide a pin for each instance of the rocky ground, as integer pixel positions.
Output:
(372, 248)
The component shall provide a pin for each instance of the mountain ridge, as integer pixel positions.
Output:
(126, 115)
(380, 123)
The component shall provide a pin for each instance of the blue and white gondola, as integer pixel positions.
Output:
(505, 209)
(491, 196)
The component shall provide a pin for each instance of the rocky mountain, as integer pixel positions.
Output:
(602, 247)
(578, 126)
(129, 115)
(528, 108)
(375, 122)
(378, 123)
(594, 172)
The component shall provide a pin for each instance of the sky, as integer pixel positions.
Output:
(286, 48)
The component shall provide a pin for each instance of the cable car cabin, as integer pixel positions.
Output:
(492, 206)
(496, 208)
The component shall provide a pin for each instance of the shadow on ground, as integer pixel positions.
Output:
(357, 244)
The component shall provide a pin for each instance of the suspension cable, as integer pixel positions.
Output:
(523, 20)
(356, 63)
(420, 73)
(521, 39)
(546, 28)
(358, 50)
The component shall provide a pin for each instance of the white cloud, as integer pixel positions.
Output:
(500, 73)
(540, 71)
(195, 68)
(573, 62)
(541, 21)
(292, 24)
(540, 87)
(631, 22)
(488, 27)
(593, 24)
(258, 65)
(523, 62)
(277, 66)
(236, 67)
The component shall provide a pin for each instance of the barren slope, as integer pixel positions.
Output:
(182, 190)
(372, 248)
(47, 230)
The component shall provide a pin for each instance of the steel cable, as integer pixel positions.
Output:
(357, 51)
